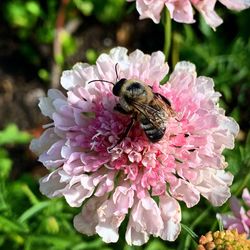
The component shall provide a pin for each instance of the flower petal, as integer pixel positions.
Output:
(171, 215)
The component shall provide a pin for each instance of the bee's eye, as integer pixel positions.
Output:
(117, 87)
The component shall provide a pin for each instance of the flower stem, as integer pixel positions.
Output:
(244, 183)
(167, 34)
(200, 218)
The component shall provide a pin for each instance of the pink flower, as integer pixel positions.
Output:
(240, 219)
(181, 10)
(111, 184)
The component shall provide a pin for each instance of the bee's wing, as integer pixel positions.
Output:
(165, 104)
(156, 113)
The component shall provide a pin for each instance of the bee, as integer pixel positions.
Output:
(151, 110)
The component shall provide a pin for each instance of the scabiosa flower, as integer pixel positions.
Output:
(137, 179)
(182, 11)
(240, 219)
(223, 240)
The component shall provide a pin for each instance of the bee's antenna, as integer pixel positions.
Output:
(100, 80)
(116, 72)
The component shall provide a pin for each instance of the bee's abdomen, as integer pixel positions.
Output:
(153, 133)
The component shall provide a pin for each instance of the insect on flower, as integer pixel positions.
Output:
(175, 134)
(137, 99)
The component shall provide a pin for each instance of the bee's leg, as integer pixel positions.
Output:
(125, 133)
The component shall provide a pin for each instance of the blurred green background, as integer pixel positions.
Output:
(38, 40)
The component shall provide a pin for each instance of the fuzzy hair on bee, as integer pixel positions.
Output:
(152, 110)
(138, 100)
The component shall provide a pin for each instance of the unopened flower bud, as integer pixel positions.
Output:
(52, 225)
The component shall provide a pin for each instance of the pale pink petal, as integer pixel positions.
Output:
(230, 223)
(123, 199)
(112, 212)
(206, 8)
(109, 223)
(104, 182)
(235, 206)
(119, 55)
(180, 10)
(246, 196)
(236, 4)
(158, 68)
(86, 221)
(81, 73)
(52, 185)
(184, 191)
(107, 232)
(134, 237)
(52, 157)
(171, 216)
(46, 104)
(44, 142)
(79, 188)
(146, 216)
(214, 185)
(150, 9)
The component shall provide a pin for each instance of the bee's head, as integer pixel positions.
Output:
(117, 87)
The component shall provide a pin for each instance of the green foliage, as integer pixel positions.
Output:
(9, 136)
(86, 7)
(28, 222)
(12, 135)
(43, 74)
(5, 163)
(68, 46)
(91, 56)
(156, 245)
(245, 151)
(25, 15)
(105, 11)
(22, 14)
